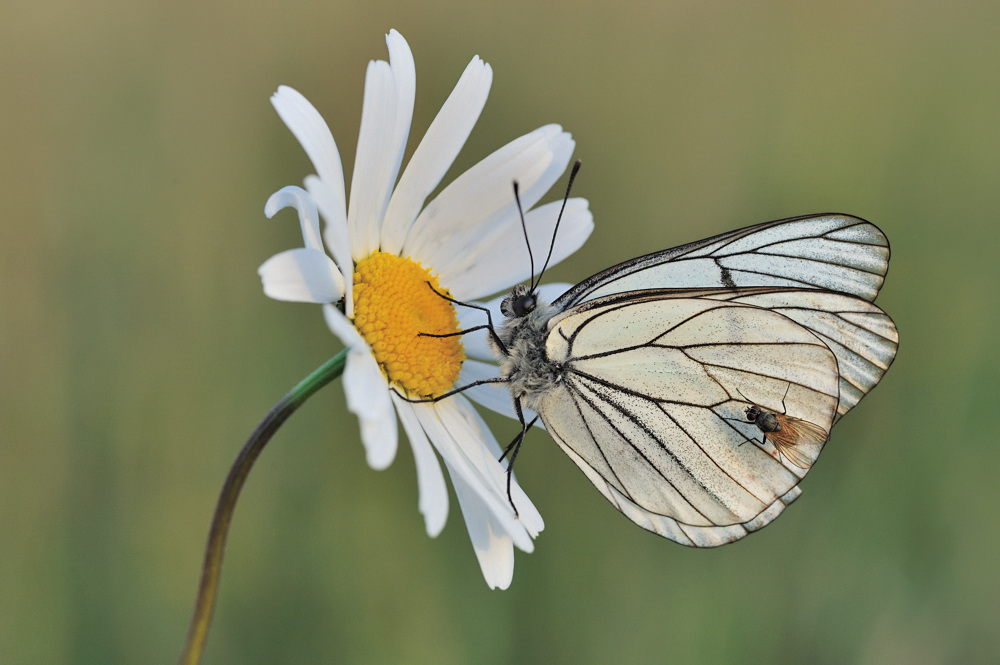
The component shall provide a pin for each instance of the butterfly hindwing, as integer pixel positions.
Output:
(862, 337)
(650, 407)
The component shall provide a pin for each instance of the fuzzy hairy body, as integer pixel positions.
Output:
(529, 371)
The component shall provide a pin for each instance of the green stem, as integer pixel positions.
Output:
(212, 568)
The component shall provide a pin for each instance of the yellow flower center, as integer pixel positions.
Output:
(392, 306)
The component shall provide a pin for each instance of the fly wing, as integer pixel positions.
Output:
(830, 251)
(650, 408)
(798, 440)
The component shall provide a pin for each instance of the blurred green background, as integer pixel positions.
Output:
(137, 149)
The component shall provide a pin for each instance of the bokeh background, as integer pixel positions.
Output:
(137, 149)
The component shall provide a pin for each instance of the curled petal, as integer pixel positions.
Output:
(298, 198)
(314, 135)
(301, 275)
(335, 233)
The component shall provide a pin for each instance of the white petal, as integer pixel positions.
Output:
(335, 233)
(367, 393)
(475, 343)
(301, 275)
(529, 515)
(493, 547)
(313, 134)
(433, 492)
(345, 331)
(370, 184)
(405, 75)
(501, 259)
(471, 432)
(466, 210)
(298, 198)
(385, 126)
(471, 459)
(436, 152)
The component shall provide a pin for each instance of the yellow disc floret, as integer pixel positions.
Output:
(392, 306)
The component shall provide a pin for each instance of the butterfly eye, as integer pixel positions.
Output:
(523, 305)
(752, 413)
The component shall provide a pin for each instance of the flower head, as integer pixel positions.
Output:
(393, 260)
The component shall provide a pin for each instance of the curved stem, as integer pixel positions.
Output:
(212, 569)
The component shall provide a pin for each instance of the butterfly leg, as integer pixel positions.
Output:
(454, 334)
(482, 382)
(784, 410)
(515, 446)
(489, 318)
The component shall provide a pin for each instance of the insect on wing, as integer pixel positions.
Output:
(831, 251)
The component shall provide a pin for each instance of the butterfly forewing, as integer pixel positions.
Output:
(650, 388)
(832, 252)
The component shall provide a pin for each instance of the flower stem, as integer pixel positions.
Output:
(212, 569)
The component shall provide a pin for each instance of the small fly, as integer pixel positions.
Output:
(798, 440)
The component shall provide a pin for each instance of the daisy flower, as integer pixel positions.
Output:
(388, 247)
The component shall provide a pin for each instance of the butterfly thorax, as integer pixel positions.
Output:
(528, 369)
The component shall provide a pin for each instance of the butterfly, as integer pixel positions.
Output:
(638, 373)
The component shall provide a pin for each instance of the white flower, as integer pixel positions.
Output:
(467, 241)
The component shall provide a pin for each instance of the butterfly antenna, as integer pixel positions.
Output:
(524, 227)
(552, 245)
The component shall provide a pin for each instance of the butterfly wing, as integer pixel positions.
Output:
(650, 408)
(832, 251)
(798, 440)
(862, 337)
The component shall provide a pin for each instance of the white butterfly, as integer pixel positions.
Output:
(696, 386)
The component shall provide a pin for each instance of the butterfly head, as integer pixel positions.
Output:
(519, 303)
(753, 412)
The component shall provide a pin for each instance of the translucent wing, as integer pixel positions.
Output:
(650, 408)
(862, 337)
(831, 251)
(798, 440)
